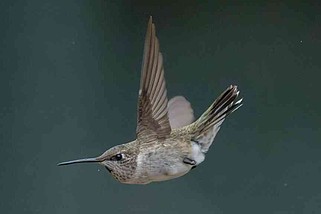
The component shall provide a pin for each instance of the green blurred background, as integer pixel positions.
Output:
(69, 83)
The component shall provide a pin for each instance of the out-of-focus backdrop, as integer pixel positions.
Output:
(69, 77)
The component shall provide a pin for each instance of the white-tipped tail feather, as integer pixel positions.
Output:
(207, 126)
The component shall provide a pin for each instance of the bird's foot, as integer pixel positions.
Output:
(189, 161)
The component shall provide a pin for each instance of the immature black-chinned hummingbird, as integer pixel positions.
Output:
(169, 144)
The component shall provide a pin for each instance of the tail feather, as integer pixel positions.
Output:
(207, 126)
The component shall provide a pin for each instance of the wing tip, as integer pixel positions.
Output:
(150, 21)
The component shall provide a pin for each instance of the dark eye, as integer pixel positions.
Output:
(117, 157)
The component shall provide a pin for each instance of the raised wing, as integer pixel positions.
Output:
(180, 112)
(152, 118)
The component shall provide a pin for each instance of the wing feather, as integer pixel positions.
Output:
(152, 116)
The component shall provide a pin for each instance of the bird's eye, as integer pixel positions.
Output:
(117, 157)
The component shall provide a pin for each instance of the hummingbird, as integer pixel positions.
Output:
(169, 142)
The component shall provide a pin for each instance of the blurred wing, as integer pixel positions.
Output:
(152, 118)
(180, 112)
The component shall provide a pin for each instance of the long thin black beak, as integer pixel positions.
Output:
(84, 160)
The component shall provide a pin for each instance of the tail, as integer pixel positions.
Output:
(207, 126)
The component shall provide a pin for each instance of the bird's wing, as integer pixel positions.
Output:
(152, 117)
(180, 112)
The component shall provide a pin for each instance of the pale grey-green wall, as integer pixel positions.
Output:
(68, 87)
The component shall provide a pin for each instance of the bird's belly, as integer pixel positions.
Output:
(150, 169)
(170, 172)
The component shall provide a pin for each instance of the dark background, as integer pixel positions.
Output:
(69, 83)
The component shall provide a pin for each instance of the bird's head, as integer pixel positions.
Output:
(119, 160)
